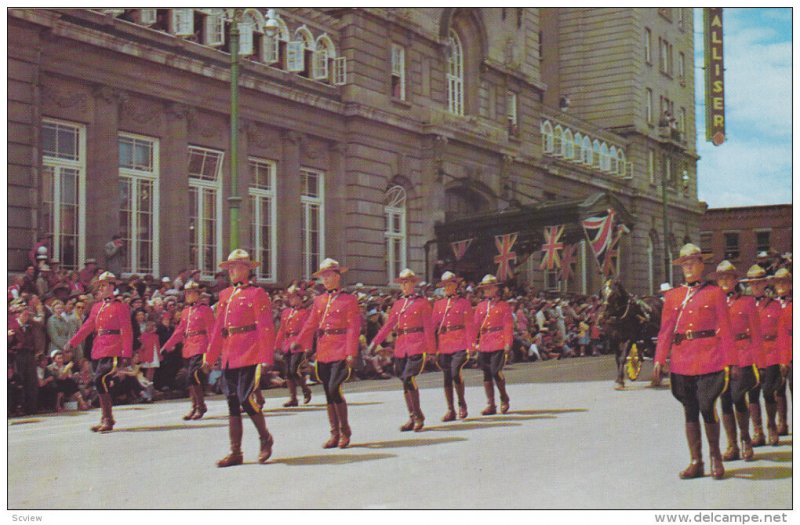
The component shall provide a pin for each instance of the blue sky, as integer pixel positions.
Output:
(754, 165)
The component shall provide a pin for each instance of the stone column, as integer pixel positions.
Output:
(290, 214)
(336, 220)
(174, 187)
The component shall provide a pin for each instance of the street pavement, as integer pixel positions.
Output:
(570, 441)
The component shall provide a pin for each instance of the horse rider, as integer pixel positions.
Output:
(746, 329)
(494, 325)
(292, 320)
(696, 330)
(244, 336)
(410, 318)
(453, 320)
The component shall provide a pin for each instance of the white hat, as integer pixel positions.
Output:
(239, 256)
(329, 265)
(688, 251)
(166, 279)
(488, 280)
(665, 287)
(107, 276)
(192, 285)
(407, 275)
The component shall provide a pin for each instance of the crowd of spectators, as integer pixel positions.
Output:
(47, 305)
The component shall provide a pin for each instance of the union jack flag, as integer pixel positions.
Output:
(600, 233)
(505, 256)
(567, 260)
(460, 248)
(551, 246)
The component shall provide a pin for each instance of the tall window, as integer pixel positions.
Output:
(312, 200)
(398, 72)
(705, 243)
(605, 161)
(547, 137)
(558, 139)
(596, 153)
(569, 145)
(762, 241)
(664, 56)
(138, 203)
(588, 155)
(651, 165)
(63, 190)
(732, 245)
(578, 153)
(455, 75)
(648, 105)
(511, 113)
(668, 171)
(682, 121)
(263, 238)
(205, 209)
(395, 210)
(681, 68)
(648, 40)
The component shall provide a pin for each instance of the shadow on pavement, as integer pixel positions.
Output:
(164, 428)
(295, 410)
(26, 421)
(407, 442)
(760, 473)
(546, 411)
(266, 413)
(332, 459)
(467, 425)
(779, 457)
(510, 417)
(126, 408)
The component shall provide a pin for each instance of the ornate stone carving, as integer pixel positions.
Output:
(178, 111)
(65, 100)
(294, 137)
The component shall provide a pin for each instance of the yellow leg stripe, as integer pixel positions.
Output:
(103, 379)
(256, 384)
(316, 371)
(460, 368)
(757, 374)
(727, 380)
(341, 385)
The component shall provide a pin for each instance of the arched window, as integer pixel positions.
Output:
(302, 34)
(613, 161)
(547, 137)
(596, 153)
(455, 75)
(250, 32)
(587, 151)
(578, 148)
(568, 144)
(605, 163)
(324, 55)
(395, 210)
(621, 167)
(274, 47)
(558, 141)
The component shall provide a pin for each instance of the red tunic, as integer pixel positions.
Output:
(705, 310)
(744, 321)
(243, 333)
(410, 317)
(336, 319)
(454, 323)
(494, 325)
(150, 346)
(292, 320)
(198, 321)
(785, 332)
(111, 315)
(769, 313)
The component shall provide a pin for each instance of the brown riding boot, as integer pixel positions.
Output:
(103, 414)
(783, 427)
(305, 389)
(201, 404)
(408, 425)
(758, 430)
(694, 439)
(450, 415)
(504, 399)
(772, 428)
(462, 402)
(743, 419)
(333, 419)
(490, 409)
(264, 437)
(290, 384)
(235, 434)
(732, 452)
(344, 424)
(712, 435)
(419, 417)
(193, 411)
(107, 422)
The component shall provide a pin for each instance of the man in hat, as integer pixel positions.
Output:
(768, 360)
(494, 325)
(244, 335)
(782, 282)
(194, 331)
(87, 273)
(455, 333)
(747, 336)
(696, 331)
(114, 250)
(335, 319)
(110, 322)
(292, 320)
(410, 318)
(42, 247)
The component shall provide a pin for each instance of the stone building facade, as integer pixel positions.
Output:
(360, 129)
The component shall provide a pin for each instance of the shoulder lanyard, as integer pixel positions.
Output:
(444, 315)
(331, 298)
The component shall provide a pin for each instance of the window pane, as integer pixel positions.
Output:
(143, 158)
(49, 147)
(67, 143)
(125, 153)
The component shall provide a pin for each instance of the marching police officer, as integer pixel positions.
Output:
(244, 336)
(494, 325)
(292, 320)
(110, 322)
(453, 322)
(194, 331)
(782, 282)
(410, 318)
(335, 319)
(696, 330)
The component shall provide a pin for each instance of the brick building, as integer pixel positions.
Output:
(360, 130)
(739, 234)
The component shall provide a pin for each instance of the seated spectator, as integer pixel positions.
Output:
(47, 386)
(66, 385)
(15, 392)
(85, 379)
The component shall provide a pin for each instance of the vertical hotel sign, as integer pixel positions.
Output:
(715, 73)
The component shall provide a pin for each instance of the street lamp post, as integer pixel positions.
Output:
(234, 201)
(667, 262)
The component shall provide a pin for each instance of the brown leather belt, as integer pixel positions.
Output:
(491, 329)
(739, 337)
(191, 333)
(689, 335)
(770, 337)
(406, 331)
(238, 330)
(103, 331)
(451, 328)
(332, 331)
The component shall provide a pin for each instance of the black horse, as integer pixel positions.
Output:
(626, 320)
